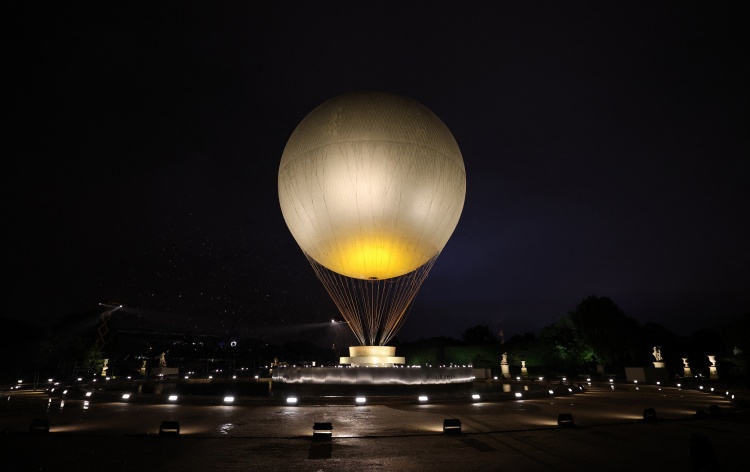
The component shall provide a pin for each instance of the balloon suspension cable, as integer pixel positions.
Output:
(373, 309)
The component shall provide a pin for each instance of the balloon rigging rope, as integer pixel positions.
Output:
(373, 309)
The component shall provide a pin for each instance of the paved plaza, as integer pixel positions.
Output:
(609, 434)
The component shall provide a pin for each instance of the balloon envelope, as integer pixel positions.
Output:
(371, 185)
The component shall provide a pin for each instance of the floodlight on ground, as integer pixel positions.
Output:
(635, 381)
(291, 400)
(88, 394)
(565, 420)
(551, 392)
(570, 390)
(475, 396)
(360, 400)
(322, 431)
(451, 426)
(611, 380)
(588, 379)
(701, 387)
(228, 399)
(519, 394)
(649, 414)
(39, 426)
(79, 379)
(423, 398)
(518, 378)
(65, 392)
(169, 428)
(173, 398)
(679, 385)
(126, 396)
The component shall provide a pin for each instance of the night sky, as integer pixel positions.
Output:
(606, 149)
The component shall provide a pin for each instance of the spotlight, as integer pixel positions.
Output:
(322, 431)
(551, 392)
(39, 426)
(173, 398)
(519, 394)
(649, 414)
(451, 426)
(565, 420)
(475, 397)
(169, 428)
(88, 394)
(126, 396)
(423, 398)
(360, 400)
(291, 400)
(228, 399)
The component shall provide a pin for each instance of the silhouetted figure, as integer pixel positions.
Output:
(702, 454)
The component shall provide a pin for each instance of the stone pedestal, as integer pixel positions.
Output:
(372, 356)
(687, 373)
(712, 373)
(505, 371)
(660, 364)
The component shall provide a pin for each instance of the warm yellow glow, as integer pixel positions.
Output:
(375, 257)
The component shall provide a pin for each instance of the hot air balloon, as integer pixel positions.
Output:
(371, 186)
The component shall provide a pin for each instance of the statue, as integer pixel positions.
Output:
(685, 363)
(736, 351)
(657, 353)
(162, 360)
(105, 367)
(504, 361)
(713, 374)
(523, 364)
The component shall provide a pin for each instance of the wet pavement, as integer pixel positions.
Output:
(609, 434)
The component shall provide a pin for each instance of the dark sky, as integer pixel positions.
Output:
(606, 149)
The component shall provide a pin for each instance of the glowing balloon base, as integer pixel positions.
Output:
(372, 356)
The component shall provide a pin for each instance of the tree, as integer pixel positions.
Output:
(602, 325)
(479, 334)
(563, 346)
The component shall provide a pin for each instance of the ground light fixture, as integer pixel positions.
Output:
(361, 400)
(423, 398)
(169, 428)
(551, 392)
(229, 399)
(565, 420)
(322, 431)
(451, 426)
(173, 398)
(475, 397)
(39, 426)
(519, 395)
(649, 414)
(88, 394)
(126, 396)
